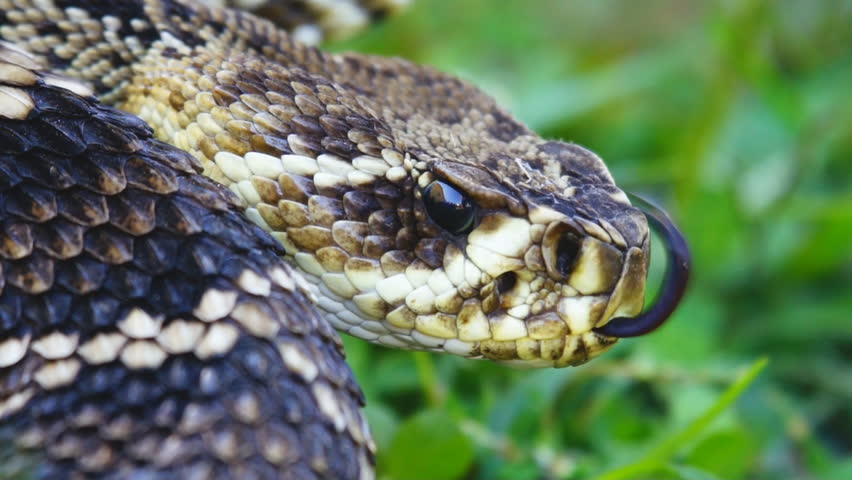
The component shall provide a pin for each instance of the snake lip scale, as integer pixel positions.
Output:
(172, 271)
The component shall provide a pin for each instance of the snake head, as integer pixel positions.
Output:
(421, 213)
(544, 259)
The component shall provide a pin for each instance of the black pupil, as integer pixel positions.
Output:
(449, 208)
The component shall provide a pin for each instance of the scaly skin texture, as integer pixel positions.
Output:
(332, 152)
(311, 21)
(147, 329)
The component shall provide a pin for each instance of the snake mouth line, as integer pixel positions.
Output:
(675, 280)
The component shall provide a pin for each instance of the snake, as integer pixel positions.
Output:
(196, 200)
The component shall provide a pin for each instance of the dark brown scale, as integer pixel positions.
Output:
(62, 135)
(208, 193)
(339, 146)
(270, 144)
(250, 84)
(235, 231)
(384, 222)
(47, 170)
(180, 216)
(296, 188)
(335, 190)
(431, 251)
(83, 207)
(200, 258)
(50, 308)
(32, 203)
(144, 176)
(372, 148)
(107, 135)
(174, 295)
(32, 274)
(375, 246)
(312, 146)
(16, 239)
(333, 125)
(127, 282)
(406, 239)
(388, 195)
(405, 213)
(278, 89)
(350, 235)
(11, 142)
(55, 101)
(307, 125)
(325, 211)
(109, 245)
(172, 158)
(100, 172)
(133, 212)
(226, 94)
(60, 238)
(82, 275)
(362, 128)
(359, 205)
(309, 105)
(11, 324)
(156, 253)
(128, 226)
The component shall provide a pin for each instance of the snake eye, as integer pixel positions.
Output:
(449, 208)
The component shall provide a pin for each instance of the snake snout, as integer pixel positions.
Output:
(678, 264)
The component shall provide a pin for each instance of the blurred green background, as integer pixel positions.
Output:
(735, 115)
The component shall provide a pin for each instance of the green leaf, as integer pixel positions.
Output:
(429, 446)
(526, 470)
(690, 336)
(727, 454)
(683, 472)
(656, 458)
(839, 471)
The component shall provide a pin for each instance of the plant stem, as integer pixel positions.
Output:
(658, 456)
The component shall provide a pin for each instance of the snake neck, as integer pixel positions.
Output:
(101, 41)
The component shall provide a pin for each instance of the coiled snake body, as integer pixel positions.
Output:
(147, 329)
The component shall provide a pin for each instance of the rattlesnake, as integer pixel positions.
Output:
(152, 330)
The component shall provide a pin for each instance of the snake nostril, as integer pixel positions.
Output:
(561, 247)
(506, 282)
(566, 252)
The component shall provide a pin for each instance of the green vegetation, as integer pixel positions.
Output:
(737, 116)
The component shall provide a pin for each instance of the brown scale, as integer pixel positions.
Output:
(323, 19)
(146, 327)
